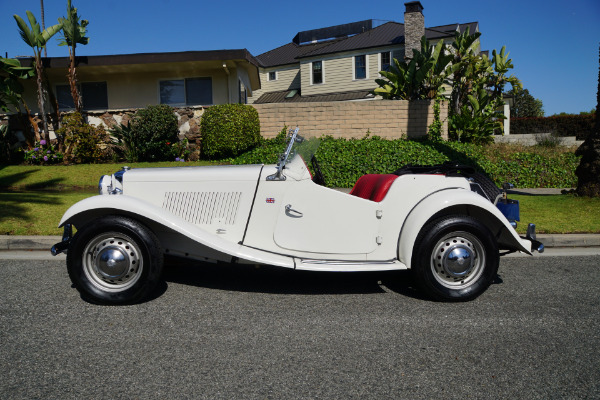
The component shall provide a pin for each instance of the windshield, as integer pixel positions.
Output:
(296, 146)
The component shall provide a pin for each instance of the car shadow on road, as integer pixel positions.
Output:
(276, 280)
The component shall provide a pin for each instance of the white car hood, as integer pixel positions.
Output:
(194, 174)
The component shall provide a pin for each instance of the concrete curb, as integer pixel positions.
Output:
(8, 242)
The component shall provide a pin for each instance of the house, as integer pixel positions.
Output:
(131, 81)
(341, 63)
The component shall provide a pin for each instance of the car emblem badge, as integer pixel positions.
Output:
(270, 200)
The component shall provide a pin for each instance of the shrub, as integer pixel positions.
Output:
(344, 161)
(153, 130)
(151, 135)
(580, 126)
(81, 139)
(41, 155)
(229, 130)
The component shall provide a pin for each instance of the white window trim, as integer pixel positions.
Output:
(322, 72)
(269, 76)
(184, 90)
(354, 78)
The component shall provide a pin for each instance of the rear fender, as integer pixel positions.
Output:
(457, 202)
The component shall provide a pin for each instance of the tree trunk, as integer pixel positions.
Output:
(588, 171)
(38, 69)
(72, 76)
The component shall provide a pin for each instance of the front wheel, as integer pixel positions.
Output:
(455, 258)
(114, 260)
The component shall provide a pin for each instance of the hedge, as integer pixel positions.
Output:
(229, 130)
(563, 125)
(344, 161)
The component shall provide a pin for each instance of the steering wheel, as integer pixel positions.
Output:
(318, 178)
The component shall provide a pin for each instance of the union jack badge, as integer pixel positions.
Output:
(270, 200)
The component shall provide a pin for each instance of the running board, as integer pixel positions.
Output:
(348, 266)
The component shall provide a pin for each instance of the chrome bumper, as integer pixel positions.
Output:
(63, 245)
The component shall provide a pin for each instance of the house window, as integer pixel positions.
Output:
(386, 61)
(186, 92)
(360, 67)
(317, 72)
(93, 94)
(273, 75)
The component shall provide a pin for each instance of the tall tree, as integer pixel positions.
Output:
(524, 104)
(74, 31)
(37, 39)
(588, 171)
(43, 23)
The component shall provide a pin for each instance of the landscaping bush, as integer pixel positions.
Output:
(344, 161)
(81, 139)
(580, 126)
(229, 130)
(153, 131)
(42, 155)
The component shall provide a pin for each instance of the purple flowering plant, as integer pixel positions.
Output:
(42, 155)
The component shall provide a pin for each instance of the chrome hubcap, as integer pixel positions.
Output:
(112, 262)
(458, 260)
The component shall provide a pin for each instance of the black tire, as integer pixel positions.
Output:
(455, 258)
(115, 260)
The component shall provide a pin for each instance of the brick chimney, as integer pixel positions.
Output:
(414, 27)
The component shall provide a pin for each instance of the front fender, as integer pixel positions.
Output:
(457, 201)
(91, 208)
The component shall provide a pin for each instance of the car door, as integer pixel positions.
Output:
(315, 219)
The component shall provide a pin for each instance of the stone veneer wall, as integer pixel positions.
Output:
(390, 119)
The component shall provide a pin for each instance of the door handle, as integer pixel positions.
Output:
(291, 212)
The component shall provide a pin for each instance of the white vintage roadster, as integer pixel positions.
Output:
(447, 228)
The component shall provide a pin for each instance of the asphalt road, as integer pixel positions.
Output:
(230, 332)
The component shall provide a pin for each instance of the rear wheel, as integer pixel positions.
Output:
(455, 258)
(114, 260)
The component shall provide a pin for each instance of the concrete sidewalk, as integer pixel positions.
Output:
(46, 242)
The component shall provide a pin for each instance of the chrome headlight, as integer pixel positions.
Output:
(105, 184)
(112, 184)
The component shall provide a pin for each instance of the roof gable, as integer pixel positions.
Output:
(388, 34)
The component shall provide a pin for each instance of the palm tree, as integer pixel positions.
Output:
(74, 32)
(37, 39)
(588, 171)
(43, 24)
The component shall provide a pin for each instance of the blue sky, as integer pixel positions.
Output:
(553, 44)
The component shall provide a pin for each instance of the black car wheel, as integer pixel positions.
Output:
(114, 260)
(455, 258)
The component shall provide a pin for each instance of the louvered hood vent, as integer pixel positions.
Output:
(204, 208)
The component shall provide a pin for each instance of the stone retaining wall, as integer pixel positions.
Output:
(391, 119)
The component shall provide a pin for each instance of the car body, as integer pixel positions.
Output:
(440, 225)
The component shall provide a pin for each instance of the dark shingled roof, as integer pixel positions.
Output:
(288, 54)
(280, 97)
(390, 33)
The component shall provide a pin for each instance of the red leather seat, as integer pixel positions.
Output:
(373, 187)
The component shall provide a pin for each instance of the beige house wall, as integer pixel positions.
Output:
(137, 86)
(288, 78)
(390, 119)
(338, 72)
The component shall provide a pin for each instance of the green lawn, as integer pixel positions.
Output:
(563, 213)
(68, 176)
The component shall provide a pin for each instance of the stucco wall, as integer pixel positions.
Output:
(390, 119)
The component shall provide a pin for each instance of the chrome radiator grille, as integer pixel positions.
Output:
(204, 208)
